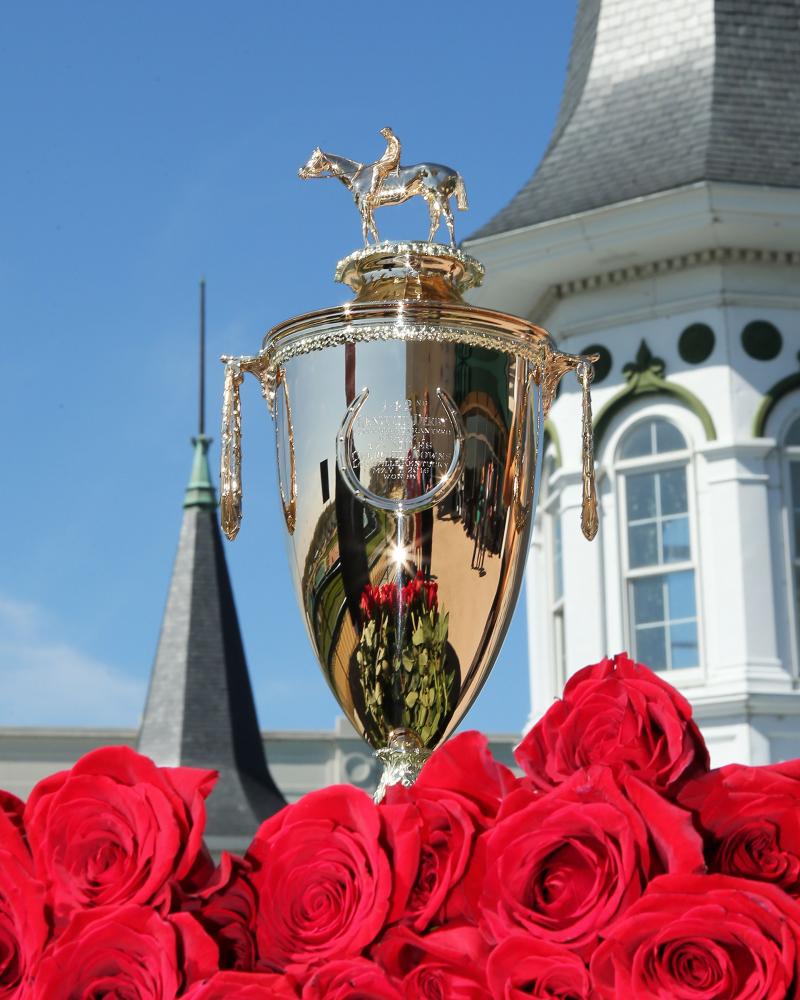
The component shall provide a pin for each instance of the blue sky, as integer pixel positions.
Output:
(144, 146)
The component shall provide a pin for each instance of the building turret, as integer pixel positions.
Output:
(662, 229)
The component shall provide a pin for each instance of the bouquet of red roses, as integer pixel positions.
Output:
(401, 656)
(617, 866)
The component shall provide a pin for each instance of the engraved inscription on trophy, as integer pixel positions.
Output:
(409, 458)
(402, 447)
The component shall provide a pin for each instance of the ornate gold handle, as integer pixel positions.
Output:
(290, 505)
(589, 518)
(405, 505)
(230, 503)
(522, 507)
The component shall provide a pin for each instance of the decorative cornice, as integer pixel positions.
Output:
(673, 265)
(645, 375)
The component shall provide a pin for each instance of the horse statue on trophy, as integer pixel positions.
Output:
(373, 186)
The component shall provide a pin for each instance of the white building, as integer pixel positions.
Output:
(662, 229)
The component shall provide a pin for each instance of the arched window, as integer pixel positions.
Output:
(657, 548)
(791, 444)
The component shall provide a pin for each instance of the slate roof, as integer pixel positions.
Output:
(200, 710)
(665, 93)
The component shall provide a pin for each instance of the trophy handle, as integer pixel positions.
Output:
(290, 505)
(521, 504)
(409, 505)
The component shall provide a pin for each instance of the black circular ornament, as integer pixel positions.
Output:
(696, 343)
(761, 340)
(603, 366)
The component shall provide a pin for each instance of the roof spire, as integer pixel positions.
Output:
(200, 710)
(200, 491)
(202, 415)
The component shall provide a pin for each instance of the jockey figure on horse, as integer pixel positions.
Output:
(387, 164)
(387, 182)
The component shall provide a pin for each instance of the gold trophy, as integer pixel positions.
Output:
(408, 431)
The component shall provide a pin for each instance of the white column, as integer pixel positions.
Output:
(538, 600)
(736, 569)
(584, 596)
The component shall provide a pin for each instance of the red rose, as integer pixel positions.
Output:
(244, 986)
(327, 877)
(11, 809)
(447, 833)
(116, 829)
(620, 714)
(125, 952)
(567, 864)
(708, 937)
(351, 979)
(752, 818)
(447, 964)
(226, 907)
(463, 769)
(523, 966)
(23, 927)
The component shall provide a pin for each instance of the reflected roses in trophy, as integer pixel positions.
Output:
(409, 429)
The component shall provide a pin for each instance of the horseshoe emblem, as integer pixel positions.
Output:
(407, 505)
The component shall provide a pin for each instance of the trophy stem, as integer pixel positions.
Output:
(402, 759)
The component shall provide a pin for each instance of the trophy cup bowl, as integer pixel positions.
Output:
(409, 429)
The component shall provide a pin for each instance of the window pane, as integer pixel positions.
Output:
(683, 645)
(643, 545)
(638, 441)
(680, 588)
(648, 599)
(794, 468)
(675, 540)
(641, 495)
(673, 491)
(668, 437)
(651, 647)
(793, 437)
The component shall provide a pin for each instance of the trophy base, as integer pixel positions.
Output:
(402, 759)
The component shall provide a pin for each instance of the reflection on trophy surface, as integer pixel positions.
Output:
(408, 428)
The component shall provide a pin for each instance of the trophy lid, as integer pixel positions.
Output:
(409, 271)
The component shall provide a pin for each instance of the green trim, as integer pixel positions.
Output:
(645, 376)
(200, 491)
(551, 437)
(771, 399)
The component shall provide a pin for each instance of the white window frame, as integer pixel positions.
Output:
(656, 463)
(551, 508)
(790, 454)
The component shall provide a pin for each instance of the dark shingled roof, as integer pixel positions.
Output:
(200, 710)
(660, 95)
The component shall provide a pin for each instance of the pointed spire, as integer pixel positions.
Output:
(201, 423)
(200, 491)
(200, 710)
